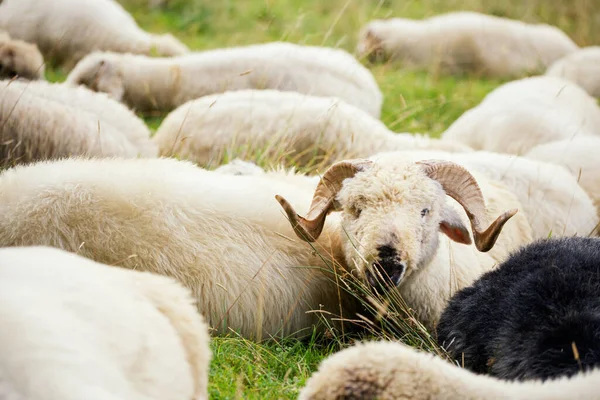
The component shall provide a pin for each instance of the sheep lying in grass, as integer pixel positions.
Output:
(522, 114)
(305, 129)
(466, 42)
(579, 156)
(552, 199)
(394, 371)
(581, 67)
(35, 127)
(149, 84)
(99, 107)
(20, 59)
(76, 329)
(225, 237)
(67, 30)
(534, 317)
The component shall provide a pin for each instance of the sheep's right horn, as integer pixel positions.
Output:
(309, 228)
(459, 184)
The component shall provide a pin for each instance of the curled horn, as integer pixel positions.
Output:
(459, 184)
(309, 228)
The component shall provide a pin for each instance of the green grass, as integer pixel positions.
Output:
(414, 102)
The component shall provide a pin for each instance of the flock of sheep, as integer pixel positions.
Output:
(457, 226)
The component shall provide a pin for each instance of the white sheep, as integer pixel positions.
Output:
(522, 114)
(76, 329)
(99, 107)
(148, 84)
(581, 67)
(306, 129)
(394, 371)
(466, 42)
(20, 59)
(36, 128)
(552, 199)
(225, 237)
(67, 30)
(578, 155)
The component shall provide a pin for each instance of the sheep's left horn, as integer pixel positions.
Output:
(459, 184)
(309, 228)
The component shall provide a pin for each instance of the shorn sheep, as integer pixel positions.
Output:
(551, 198)
(579, 156)
(293, 126)
(150, 84)
(99, 107)
(534, 317)
(466, 42)
(581, 67)
(67, 30)
(394, 371)
(75, 329)
(35, 128)
(226, 238)
(20, 59)
(521, 114)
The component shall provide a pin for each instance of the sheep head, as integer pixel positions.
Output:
(20, 59)
(371, 46)
(99, 73)
(391, 216)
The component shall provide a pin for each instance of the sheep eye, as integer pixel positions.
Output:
(424, 212)
(355, 211)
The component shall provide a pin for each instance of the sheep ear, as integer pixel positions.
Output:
(452, 226)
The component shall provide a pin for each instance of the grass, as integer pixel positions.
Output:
(414, 102)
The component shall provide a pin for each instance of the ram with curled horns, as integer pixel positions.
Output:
(404, 225)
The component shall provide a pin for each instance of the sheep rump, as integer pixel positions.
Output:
(76, 329)
(581, 67)
(523, 319)
(394, 371)
(466, 42)
(521, 114)
(161, 84)
(307, 129)
(67, 30)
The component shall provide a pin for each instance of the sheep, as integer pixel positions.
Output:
(465, 42)
(394, 371)
(101, 108)
(162, 84)
(581, 67)
(67, 30)
(225, 238)
(534, 317)
(522, 114)
(37, 128)
(76, 329)
(20, 59)
(551, 198)
(306, 129)
(578, 156)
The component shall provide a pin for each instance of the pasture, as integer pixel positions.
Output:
(416, 102)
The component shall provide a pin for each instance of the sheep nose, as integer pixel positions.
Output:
(387, 271)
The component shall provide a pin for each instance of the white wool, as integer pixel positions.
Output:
(67, 30)
(524, 113)
(581, 67)
(580, 156)
(37, 127)
(75, 329)
(150, 83)
(394, 371)
(307, 129)
(466, 42)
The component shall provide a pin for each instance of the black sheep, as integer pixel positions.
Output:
(536, 316)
